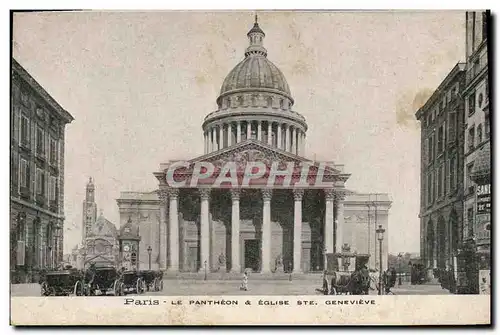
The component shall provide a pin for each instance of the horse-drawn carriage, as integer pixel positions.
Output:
(64, 282)
(153, 280)
(346, 273)
(103, 280)
(132, 282)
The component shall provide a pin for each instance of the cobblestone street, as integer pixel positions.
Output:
(257, 287)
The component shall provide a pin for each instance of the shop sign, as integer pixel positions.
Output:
(483, 198)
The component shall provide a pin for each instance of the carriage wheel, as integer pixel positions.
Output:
(116, 288)
(44, 289)
(122, 289)
(78, 290)
(160, 288)
(138, 286)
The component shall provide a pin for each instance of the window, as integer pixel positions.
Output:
(40, 143)
(40, 182)
(470, 183)
(429, 188)
(472, 103)
(470, 222)
(440, 143)
(23, 173)
(479, 134)
(429, 149)
(24, 131)
(480, 100)
(487, 126)
(485, 26)
(470, 140)
(440, 182)
(453, 181)
(52, 190)
(452, 126)
(53, 151)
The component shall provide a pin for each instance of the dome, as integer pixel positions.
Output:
(255, 72)
(129, 231)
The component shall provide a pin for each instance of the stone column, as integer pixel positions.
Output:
(249, 129)
(214, 135)
(266, 231)
(294, 141)
(297, 231)
(259, 131)
(204, 229)
(303, 144)
(238, 132)
(229, 134)
(339, 221)
(269, 133)
(287, 138)
(329, 220)
(205, 142)
(163, 230)
(279, 130)
(235, 231)
(221, 137)
(173, 195)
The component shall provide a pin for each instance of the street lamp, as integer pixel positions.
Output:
(380, 237)
(400, 257)
(149, 254)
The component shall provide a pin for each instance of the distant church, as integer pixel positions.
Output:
(99, 244)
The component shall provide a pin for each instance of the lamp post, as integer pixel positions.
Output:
(380, 237)
(149, 255)
(400, 257)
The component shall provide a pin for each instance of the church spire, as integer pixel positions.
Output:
(256, 39)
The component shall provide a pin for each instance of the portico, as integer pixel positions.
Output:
(204, 223)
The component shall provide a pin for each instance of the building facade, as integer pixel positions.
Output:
(37, 125)
(261, 228)
(441, 171)
(477, 145)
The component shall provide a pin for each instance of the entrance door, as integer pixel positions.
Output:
(192, 259)
(252, 254)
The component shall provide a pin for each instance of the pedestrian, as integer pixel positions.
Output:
(244, 282)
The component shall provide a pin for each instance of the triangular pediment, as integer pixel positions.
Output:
(256, 151)
(242, 161)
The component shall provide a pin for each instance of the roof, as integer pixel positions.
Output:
(458, 68)
(23, 74)
(103, 227)
(129, 230)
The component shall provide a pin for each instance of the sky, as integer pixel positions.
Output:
(140, 83)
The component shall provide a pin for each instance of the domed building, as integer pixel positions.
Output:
(263, 227)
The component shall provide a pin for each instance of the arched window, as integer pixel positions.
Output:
(479, 134)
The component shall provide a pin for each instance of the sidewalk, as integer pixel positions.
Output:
(424, 289)
(25, 290)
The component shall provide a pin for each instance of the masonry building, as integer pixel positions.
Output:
(260, 228)
(441, 171)
(37, 127)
